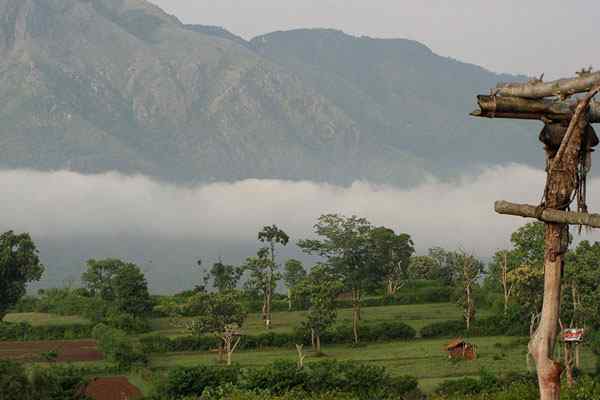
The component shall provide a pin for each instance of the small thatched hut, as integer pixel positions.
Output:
(459, 348)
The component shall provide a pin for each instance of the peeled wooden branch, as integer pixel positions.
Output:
(562, 87)
(518, 108)
(547, 215)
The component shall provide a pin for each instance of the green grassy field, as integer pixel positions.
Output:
(39, 319)
(422, 358)
(416, 315)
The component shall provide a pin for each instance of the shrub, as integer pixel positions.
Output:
(117, 347)
(321, 380)
(58, 383)
(181, 381)
(23, 331)
(13, 382)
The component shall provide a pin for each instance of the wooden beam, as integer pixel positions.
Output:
(547, 215)
(562, 88)
(518, 108)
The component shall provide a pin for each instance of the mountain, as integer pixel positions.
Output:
(97, 85)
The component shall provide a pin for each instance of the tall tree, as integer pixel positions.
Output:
(19, 265)
(392, 253)
(345, 245)
(321, 287)
(498, 275)
(582, 281)
(423, 267)
(119, 283)
(468, 274)
(273, 236)
(293, 274)
(262, 278)
(130, 289)
(225, 277)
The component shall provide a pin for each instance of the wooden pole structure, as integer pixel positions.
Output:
(514, 101)
(547, 215)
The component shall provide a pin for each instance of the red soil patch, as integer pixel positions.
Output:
(67, 350)
(116, 388)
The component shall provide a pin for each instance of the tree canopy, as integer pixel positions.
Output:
(19, 265)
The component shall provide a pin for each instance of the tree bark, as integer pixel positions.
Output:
(290, 299)
(519, 108)
(355, 313)
(548, 215)
(560, 186)
(318, 341)
(562, 87)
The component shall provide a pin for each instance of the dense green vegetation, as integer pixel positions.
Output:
(356, 314)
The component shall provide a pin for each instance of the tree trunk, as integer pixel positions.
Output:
(569, 363)
(312, 339)
(548, 215)
(537, 89)
(355, 313)
(318, 341)
(290, 299)
(518, 108)
(560, 186)
(505, 285)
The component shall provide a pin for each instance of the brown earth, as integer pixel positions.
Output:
(115, 388)
(67, 350)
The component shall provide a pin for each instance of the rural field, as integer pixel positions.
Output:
(425, 359)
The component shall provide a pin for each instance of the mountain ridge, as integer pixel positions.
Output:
(98, 85)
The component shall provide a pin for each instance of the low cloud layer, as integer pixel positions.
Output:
(65, 210)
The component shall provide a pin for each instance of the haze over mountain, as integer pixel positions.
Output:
(100, 85)
(290, 119)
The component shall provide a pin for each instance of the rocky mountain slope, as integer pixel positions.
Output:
(97, 85)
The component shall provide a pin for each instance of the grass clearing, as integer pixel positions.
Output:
(415, 315)
(44, 319)
(424, 359)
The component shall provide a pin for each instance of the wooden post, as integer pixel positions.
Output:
(560, 186)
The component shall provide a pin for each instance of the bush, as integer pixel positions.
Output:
(283, 378)
(58, 383)
(155, 343)
(53, 383)
(496, 325)
(14, 384)
(181, 382)
(117, 347)
(23, 331)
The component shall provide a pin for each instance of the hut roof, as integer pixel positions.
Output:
(455, 343)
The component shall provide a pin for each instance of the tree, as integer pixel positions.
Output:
(468, 276)
(582, 291)
(262, 278)
(98, 277)
(293, 274)
(423, 267)
(392, 252)
(122, 285)
(528, 244)
(448, 265)
(225, 277)
(131, 291)
(221, 314)
(271, 235)
(498, 275)
(19, 265)
(345, 245)
(321, 287)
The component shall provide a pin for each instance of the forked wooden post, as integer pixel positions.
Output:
(526, 101)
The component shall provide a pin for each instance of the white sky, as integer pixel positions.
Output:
(557, 37)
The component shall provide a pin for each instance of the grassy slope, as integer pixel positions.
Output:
(39, 319)
(417, 316)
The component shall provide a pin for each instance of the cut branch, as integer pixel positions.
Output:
(518, 108)
(547, 215)
(562, 87)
